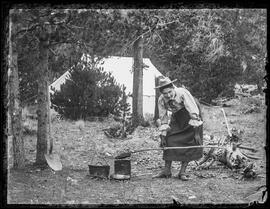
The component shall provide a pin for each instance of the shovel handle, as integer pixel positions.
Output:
(191, 147)
(168, 148)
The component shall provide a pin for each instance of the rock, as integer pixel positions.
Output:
(249, 172)
(192, 197)
(70, 202)
(85, 202)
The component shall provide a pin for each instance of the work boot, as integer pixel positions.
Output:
(166, 173)
(182, 173)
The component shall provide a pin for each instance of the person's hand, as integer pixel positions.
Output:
(164, 127)
(162, 141)
(195, 122)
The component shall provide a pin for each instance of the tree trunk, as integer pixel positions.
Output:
(15, 109)
(42, 112)
(156, 116)
(137, 95)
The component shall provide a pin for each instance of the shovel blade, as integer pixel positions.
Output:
(54, 161)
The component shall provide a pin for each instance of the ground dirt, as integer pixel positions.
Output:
(74, 142)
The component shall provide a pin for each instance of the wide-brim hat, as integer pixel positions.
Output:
(164, 81)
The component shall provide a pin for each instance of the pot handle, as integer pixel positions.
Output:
(98, 163)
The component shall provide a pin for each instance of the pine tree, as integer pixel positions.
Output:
(86, 93)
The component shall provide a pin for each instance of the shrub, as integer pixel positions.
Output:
(86, 93)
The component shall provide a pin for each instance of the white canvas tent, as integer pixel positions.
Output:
(121, 70)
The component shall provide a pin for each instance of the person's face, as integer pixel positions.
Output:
(168, 93)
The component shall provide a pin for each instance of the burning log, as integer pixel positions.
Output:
(232, 157)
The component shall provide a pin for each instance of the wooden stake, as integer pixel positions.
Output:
(229, 132)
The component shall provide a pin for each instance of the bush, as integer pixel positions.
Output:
(87, 93)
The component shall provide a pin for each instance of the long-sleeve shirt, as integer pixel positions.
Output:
(182, 99)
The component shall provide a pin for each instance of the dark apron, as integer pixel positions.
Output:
(181, 135)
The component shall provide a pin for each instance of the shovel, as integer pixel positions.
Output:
(128, 154)
(53, 160)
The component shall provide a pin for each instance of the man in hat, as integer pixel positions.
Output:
(183, 128)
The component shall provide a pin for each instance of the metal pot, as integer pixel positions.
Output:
(122, 169)
(99, 171)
